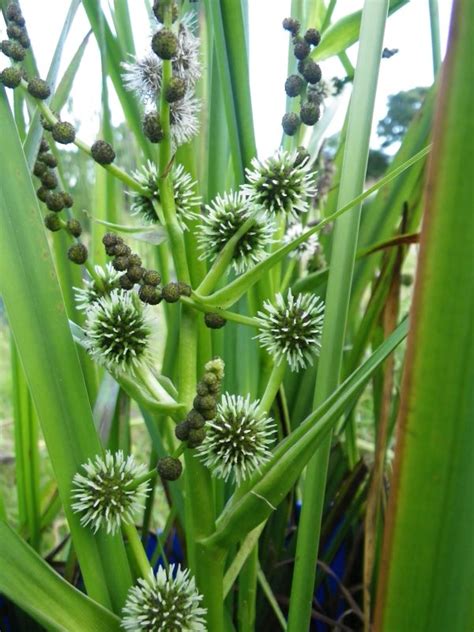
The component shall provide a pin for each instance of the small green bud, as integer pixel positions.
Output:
(24, 39)
(313, 37)
(55, 201)
(292, 25)
(301, 48)
(195, 420)
(135, 260)
(302, 156)
(290, 123)
(102, 152)
(216, 366)
(169, 468)
(38, 88)
(73, 227)
(214, 321)
(158, 10)
(165, 44)
(149, 294)
(196, 437)
(175, 90)
(110, 239)
(77, 253)
(211, 381)
(152, 277)
(11, 77)
(152, 127)
(14, 31)
(125, 282)
(310, 71)
(49, 180)
(210, 413)
(170, 292)
(44, 147)
(39, 169)
(42, 194)
(184, 289)
(120, 263)
(47, 125)
(407, 279)
(68, 199)
(310, 113)
(52, 222)
(49, 160)
(122, 250)
(135, 273)
(181, 431)
(204, 403)
(64, 133)
(294, 85)
(13, 49)
(202, 388)
(13, 11)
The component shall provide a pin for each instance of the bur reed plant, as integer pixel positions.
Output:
(245, 308)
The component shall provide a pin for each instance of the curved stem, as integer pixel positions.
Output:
(232, 316)
(273, 384)
(140, 560)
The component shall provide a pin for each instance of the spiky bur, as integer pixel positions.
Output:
(118, 331)
(165, 602)
(238, 440)
(291, 329)
(92, 291)
(306, 249)
(223, 218)
(186, 201)
(281, 184)
(104, 493)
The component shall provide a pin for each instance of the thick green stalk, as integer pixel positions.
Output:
(337, 301)
(435, 38)
(428, 560)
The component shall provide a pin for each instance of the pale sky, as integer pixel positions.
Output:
(408, 30)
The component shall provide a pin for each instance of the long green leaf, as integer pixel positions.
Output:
(30, 583)
(428, 562)
(37, 317)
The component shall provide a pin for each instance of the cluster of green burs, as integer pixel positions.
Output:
(309, 74)
(165, 45)
(128, 262)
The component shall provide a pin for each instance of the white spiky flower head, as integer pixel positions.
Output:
(222, 219)
(281, 184)
(291, 329)
(118, 331)
(307, 248)
(106, 492)
(238, 440)
(92, 292)
(186, 201)
(165, 602)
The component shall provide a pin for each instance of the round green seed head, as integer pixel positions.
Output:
(47, 125)
(294, 85)
(292, 25)
(38, 88)
(302, 156)
(13, 11)
(68, 199)
(210, 413)
(14, 31)
(11, 77)
(135, 273)
(195, 420)
(64, 133)
(122, 250)
(73, 227)
(103, 152)
(210, 379)
(310, 113)
(310, 70)
(214, 321)
(313, 37)
(152, 127)
(13, 49)
(42, 194)
(175, 90)
(49, 160)
(204, 403)
(149, 294)
(158, 10)
(170, 292)
(39, 169)
(169, 468)
(77, 253)
(165, 44)
(301, 48)
(49, 180)
(290, 123)
(152, 277)
(125, 282)
(24, 39)
(52, 222)
(110, 239)
(184, 289)
(202, 388)
(44, 147)
(135, 260)
(120, 263)
(55, 201)
(181, 431)
(196, 437)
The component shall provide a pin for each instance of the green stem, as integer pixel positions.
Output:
(248, 592)
(267, 590)
(337, 302)
(163, 536)
(140, 560)
(435, 38)
(232, 316)
(149, 500)
(273, 384)
(148, 476)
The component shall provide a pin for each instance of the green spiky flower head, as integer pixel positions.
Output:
(93, 290)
